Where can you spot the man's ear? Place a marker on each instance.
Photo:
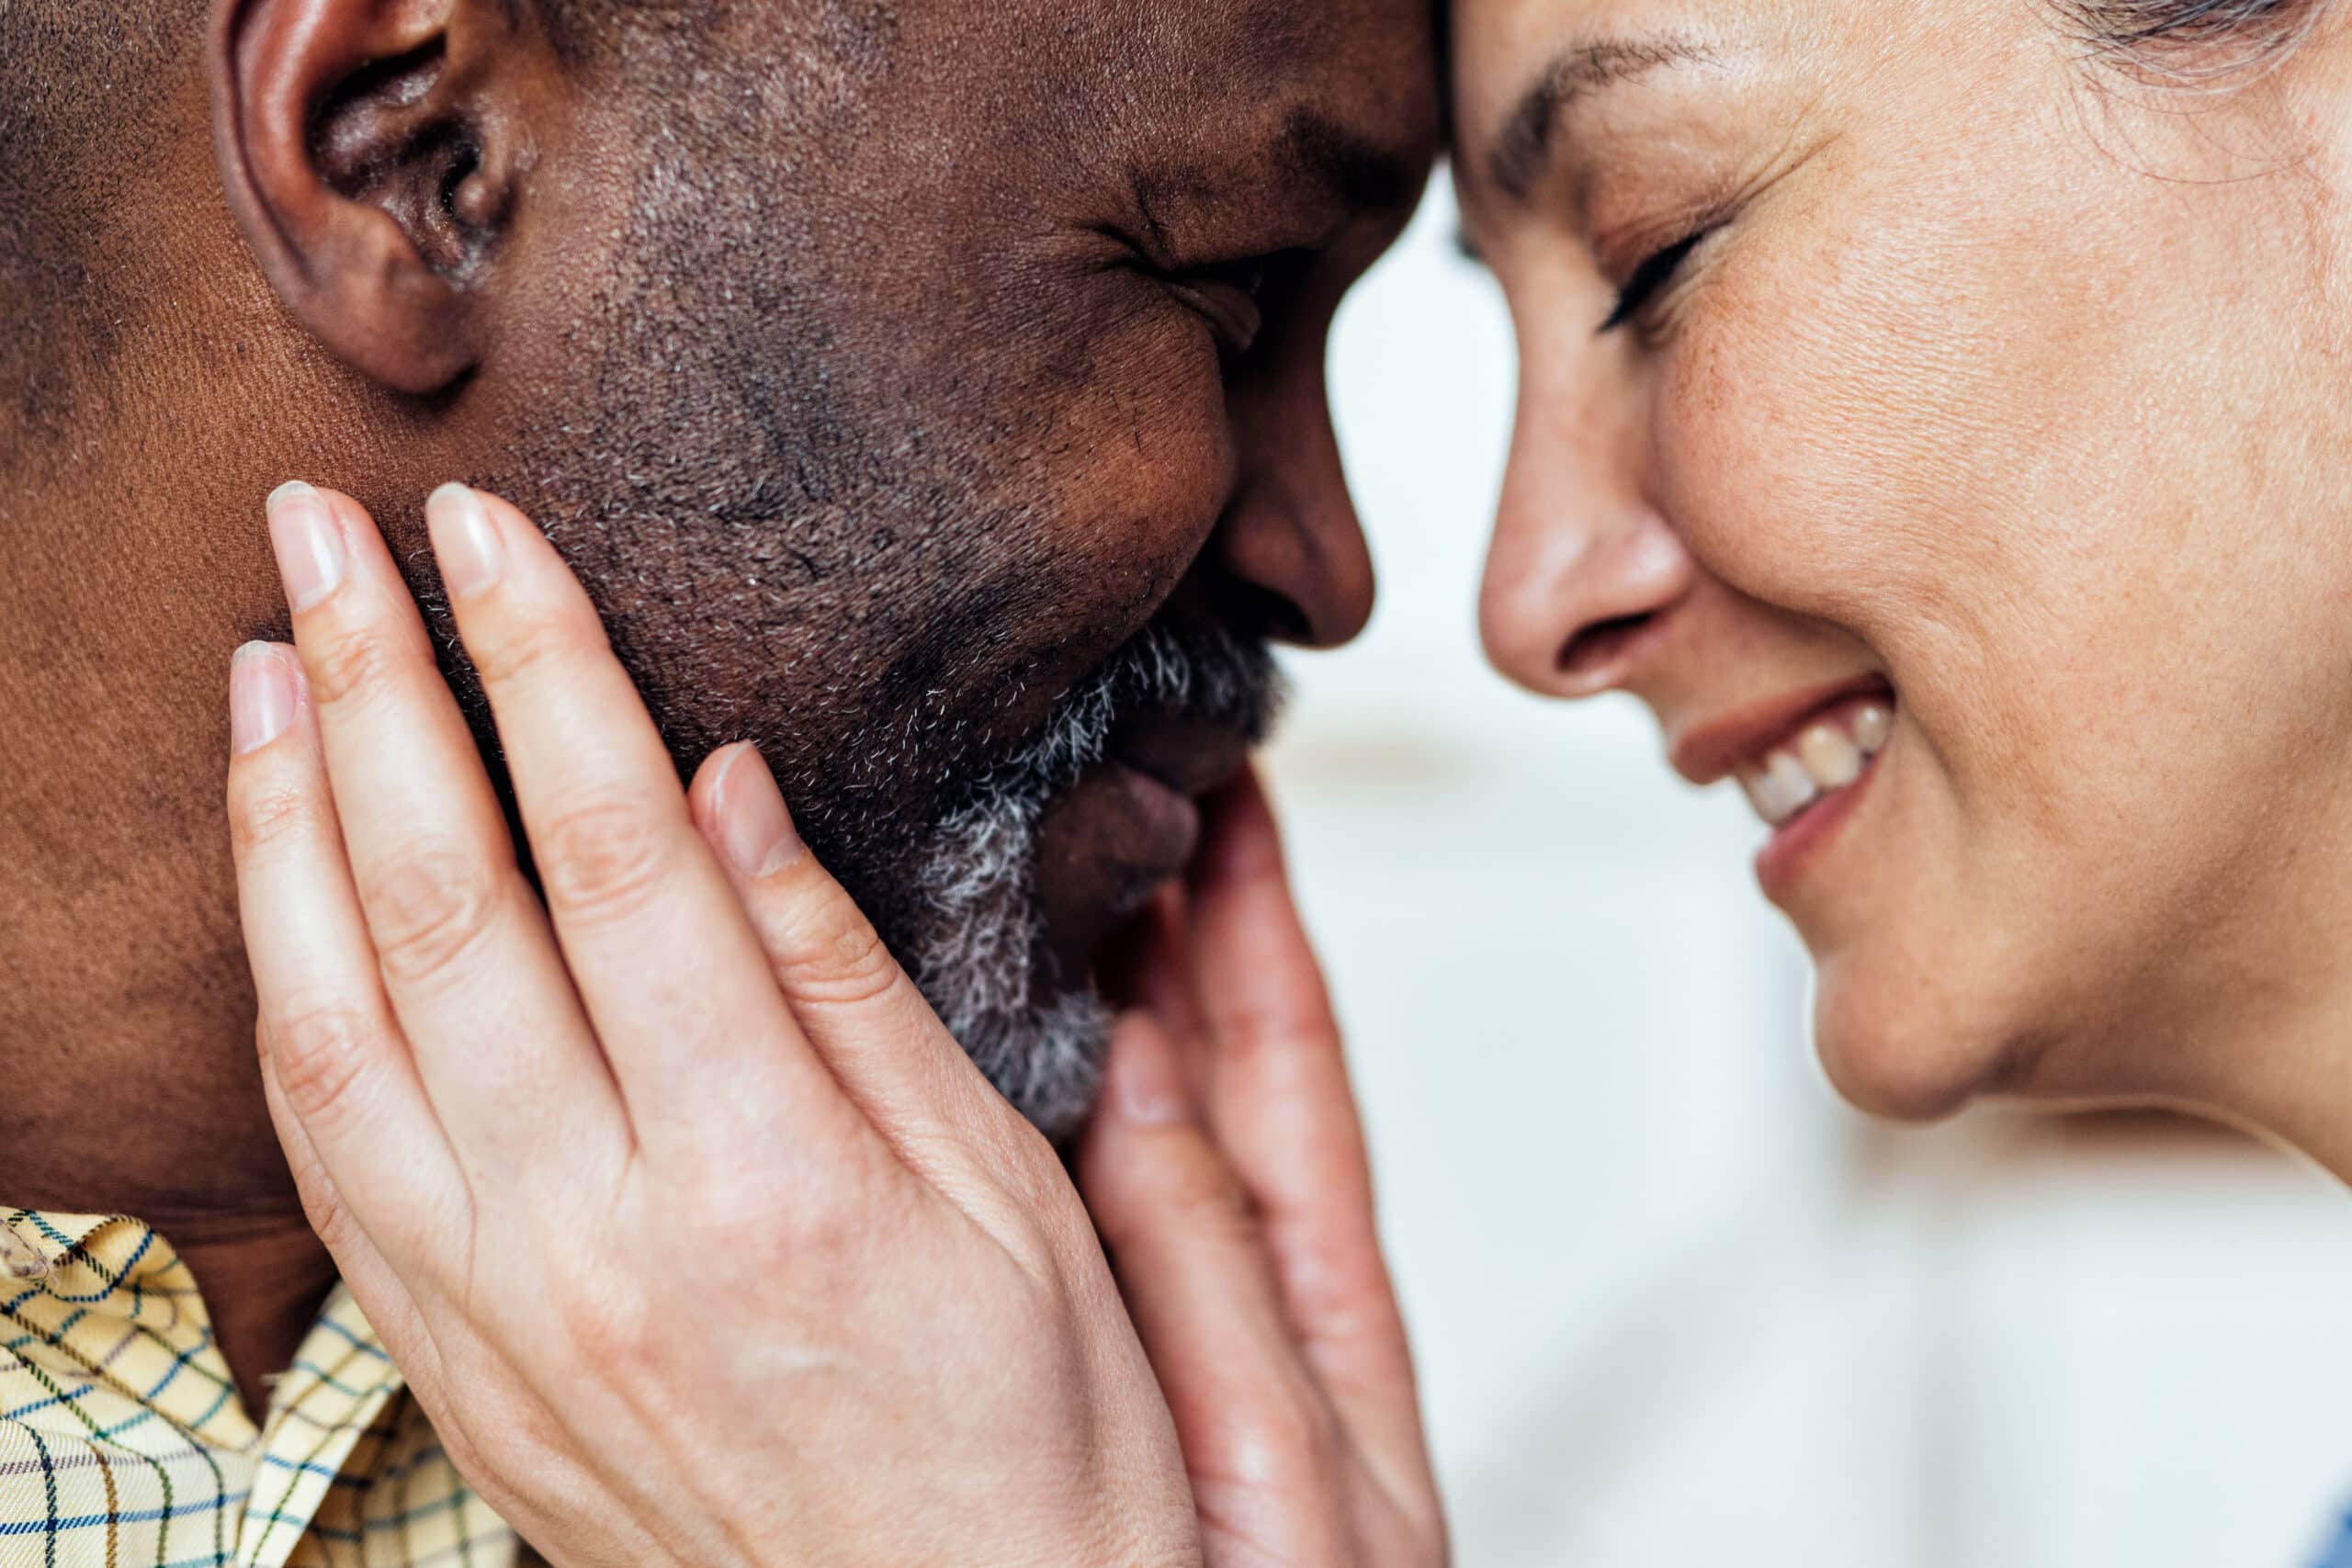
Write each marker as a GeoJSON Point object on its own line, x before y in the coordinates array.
{"type": "Point", "coordinates": [373, 152]}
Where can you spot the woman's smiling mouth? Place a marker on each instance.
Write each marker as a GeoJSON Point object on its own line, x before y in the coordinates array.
{"type": "Point", "coordinates": [1802, 758]}
{"type": "Point", "coordinates": [1828, 754]}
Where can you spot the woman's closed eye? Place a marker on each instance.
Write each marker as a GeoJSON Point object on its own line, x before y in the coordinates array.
{"type": "Point", "coordinates": [1656, 271]}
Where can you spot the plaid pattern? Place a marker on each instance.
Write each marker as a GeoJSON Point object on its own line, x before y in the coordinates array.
{"type": "Point", "coordinates": [123, 1443]}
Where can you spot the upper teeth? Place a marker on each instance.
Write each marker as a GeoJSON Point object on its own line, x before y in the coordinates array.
{"type": "Point", "coordinates": [1823, 757]}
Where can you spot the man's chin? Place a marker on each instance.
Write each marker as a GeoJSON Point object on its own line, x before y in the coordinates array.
{"type": "Point", "coordinates": [1022, 884]}
{"type": "Point", "coordinates": [1030, 1020]}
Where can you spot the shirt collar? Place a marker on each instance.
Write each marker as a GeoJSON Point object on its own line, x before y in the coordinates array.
{"type": "Point", "coordinates": [120, 1425]}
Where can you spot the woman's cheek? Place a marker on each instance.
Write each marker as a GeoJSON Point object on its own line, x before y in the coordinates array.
{"type": "Point", "coordinates": [1791, 436]}
{"type": "Point", "coordinates": [1855, 427]}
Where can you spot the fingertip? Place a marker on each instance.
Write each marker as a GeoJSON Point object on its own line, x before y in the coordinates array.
{"type": "Point", "coordinates": [509, 515]}
{"type": "Point", "coordinates": [467, 543]}
{"type": "Point", "coordinates": [740, 808]}
{"type": "Point", "coordinates": [292, 489]}
{"type": "Point", "coordinates": [348, 514]}
{"type": "Point", "coordinates": [265, 688]}
{"type": "Point", "coordinates": [1242, 841]}
{"type": "Point", "coordinates": [703, 792]}
{"type": "Point", "coordinates": [1145, 1099]}
{"type": "Point", "coordinates": [1144, 1084]}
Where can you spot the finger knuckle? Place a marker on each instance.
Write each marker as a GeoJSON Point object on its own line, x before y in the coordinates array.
{"type": "Point", "coordinates": [823, 1234]}
{"type": "Point", "coordinates": [349, 662]}
{"type": "Point", "coordinates": [601, 859]}
{"type": "Point", "coordinates": [1033, 1176]}
{"type": "Point", "coordinates": [1281, 1439]}
{"type": "Point", "coordinates": [601, 1327]}
{"type": "Point", "coordinates": [1281, 1023]}
{"type": "Point", "coordinates": [839, 959]}
{"type": "Point", "coordinates": [322, 1208]}
{"type": "Point", "coordinates": [525, 647]}
{"type": "Point", "coordinates": [322, 1057]}
{"type": "Point", "coordinates": [1199, 1185]}
{"type": "Point", "coordinates": [1182, 1184]}
{"type": "Point", "coordinates": [1047, 1232]}
{"type": "Point", "coordinates": [426, 911]}
{"type": "Point", "coordinates": [266, 813]}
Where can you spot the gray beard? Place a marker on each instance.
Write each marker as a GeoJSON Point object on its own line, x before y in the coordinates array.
{"type": "Point", "coordinates": [979, 955]}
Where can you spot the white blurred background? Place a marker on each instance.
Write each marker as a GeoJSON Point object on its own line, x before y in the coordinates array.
{"type": "Point", "coordinates": [1673, 1305]}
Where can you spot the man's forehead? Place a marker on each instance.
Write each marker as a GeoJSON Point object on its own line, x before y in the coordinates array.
{"type": "Point", "coordinates": [1172, 61]}
{"type": "Point", "coordinates": [1193, 109]}
{"type": "Point", "coordinates": [1342, 91]}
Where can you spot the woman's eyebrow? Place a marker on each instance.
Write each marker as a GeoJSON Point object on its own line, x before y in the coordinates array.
{"type": "Point", "coordinates": [1523, 147]}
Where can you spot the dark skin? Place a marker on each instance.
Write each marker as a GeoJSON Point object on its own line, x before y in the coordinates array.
{"type": "Point", "coordinates": [880, 372]}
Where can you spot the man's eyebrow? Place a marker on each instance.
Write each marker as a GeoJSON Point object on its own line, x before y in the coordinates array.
{"type": "Point", "coordinates": [1523, 147]}
{"type": "Point", "coordinates": [1366, 177]}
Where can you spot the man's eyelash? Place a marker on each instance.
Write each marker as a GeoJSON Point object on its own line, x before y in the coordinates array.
{"type": "Point", "coordinates": [1656, 270]}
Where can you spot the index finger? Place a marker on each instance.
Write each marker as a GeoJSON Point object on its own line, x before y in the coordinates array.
{"type": "Point", "coordinates": [665, 962]}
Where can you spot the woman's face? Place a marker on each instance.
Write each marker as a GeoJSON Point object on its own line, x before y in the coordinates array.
{"type": "Point", "coordinates": [1993, 437]}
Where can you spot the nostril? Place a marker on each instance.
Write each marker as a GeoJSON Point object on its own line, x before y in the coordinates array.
{"type": "Point", "coordinates": [1269, 614]}
{"type": "Point", "coordinates": [1591, 650]}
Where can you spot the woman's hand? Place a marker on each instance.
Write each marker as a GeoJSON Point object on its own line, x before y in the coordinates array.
{"type": "Point", "coordinates": [1226, 1172]}
{"type": "Point", "coordinates": [697, 1235]}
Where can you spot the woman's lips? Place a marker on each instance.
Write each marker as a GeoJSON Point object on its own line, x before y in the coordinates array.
{"type": "Point", "coordinates": [1828, 752]}
{"type": "Point", "coordinates": [1803, 758]}
{"type": "Point", "coordinates": [1809, 787]}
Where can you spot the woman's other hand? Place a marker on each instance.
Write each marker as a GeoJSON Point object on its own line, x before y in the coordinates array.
{"type": "Point", "coordinates": [1228, 1173]}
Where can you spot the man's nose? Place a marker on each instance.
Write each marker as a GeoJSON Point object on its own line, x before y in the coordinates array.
{"type": "Point", "coordinates": [1583, 569]}
{"type": "Point", "coordinates": [1291, 533]}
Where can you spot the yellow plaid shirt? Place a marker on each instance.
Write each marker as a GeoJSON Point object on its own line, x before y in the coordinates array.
{"type": "Point", "coordinates": [123, 1443]}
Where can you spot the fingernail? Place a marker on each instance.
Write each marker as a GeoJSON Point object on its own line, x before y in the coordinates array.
{"type": "Point", "coordinates": [261, 696]}
{"type": "Point", "coordinates": [754, 828]}
{"type": "Point", "coordinates": [308, 546]}
{"type": "Point", "coordinates": [465, 540]}
{"type": "Point", "coordinates": [1146, 1083]}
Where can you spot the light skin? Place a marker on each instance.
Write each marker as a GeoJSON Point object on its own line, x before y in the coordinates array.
{"type": "Point", "coordinates": [899, 1339]}
{"type": "Point", "coordinates": [2007, 385]}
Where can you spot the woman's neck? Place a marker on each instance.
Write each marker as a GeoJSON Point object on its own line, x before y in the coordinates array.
{"type": "Point", "coordinates": [2270, 1050]}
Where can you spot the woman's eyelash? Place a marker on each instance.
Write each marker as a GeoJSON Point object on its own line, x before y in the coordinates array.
{"type": "Point", "coordinates": [1656, 270]}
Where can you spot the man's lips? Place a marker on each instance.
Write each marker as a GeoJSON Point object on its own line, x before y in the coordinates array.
{"type": "Point", "coordinates": [1158, 766]}
{"type": "Point", "coordinates": [1125, 826]}
{"type": "Point", "coordinates": [1191, 756]}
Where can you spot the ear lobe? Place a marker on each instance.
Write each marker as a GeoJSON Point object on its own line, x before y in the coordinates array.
{"type": "Point", "coordinates": [371, 151]}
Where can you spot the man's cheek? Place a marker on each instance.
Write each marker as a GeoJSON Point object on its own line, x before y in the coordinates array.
{"type": "Point", "coordinates": [1155, 462]}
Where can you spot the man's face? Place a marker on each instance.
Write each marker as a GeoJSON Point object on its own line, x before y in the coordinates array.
{"type": "Point", "coordinates": [934, 394]}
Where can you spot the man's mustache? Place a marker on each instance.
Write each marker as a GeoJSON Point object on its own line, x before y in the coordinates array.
{"type": "Point", "coordinates": [1188, 669]}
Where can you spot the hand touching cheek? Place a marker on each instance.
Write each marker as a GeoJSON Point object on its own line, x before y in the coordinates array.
{"type": "Point", "coordinates": [693, 1231]}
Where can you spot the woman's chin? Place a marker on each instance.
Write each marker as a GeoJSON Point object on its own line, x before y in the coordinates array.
{"type": "Point", "coordinates": [1902, 1044]}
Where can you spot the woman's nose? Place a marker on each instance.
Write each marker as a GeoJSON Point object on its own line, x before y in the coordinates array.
{"type": "Point", "coordinates": [1581, 571]}
{"type": "Point", "coordinates": [1290, 534]}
